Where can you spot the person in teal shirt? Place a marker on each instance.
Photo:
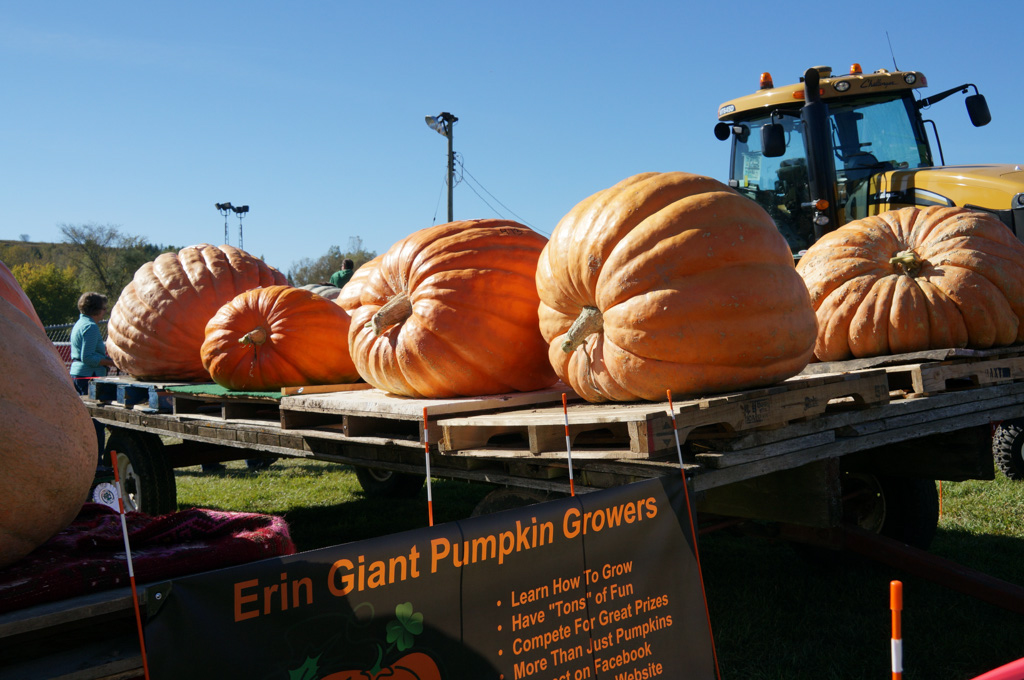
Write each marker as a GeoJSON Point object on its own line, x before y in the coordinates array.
{"type": "Point", "coordinates": [341, 277]}
{"type": "Point", "coordinates": [88, 354]}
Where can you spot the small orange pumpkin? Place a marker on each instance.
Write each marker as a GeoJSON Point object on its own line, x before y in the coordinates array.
{"type": "Point", "coordinates": [671, 281]}
{"type": "Point", "coordinates": [47, 439]}
{"type": "Point", "coordinates": [276, 337]}
{"type": "Point", "coordinates": [451, 310]}
{"type": "Point", "coordinates": [914, 279]}
{"type": "Point", "coordinates": [413, 666]}
{"type": "Point", "coordinates": [158, 325]}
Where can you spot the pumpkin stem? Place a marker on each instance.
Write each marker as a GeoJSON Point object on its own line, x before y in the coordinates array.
{"type": "Point", "coordinates": [395, 311]}
{"type": "Point", "coordinates": [257, 337]}
{"type": "Point", "coordinates": [588, 322]}
{"type": "Point", "coordinates": [380, 657]}
{"type": "Point", "coordinates": [907, 262]}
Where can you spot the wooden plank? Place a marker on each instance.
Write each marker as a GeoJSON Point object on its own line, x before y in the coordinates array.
{"type": "Point", "coordinates": [323, 389]}
{"type": "Point", "coordinates": [909, 358]}
{"type": "Point", "coordinates": [66, 611]}
{"type": "Point", "coordinates": [380, 403]}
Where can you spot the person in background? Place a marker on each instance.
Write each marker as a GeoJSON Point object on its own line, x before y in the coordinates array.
{"type": "Point", "coordinates": [341, 277]}
{"type": "Point", "coordinates": [89, 359]}
{"type": "Point", "coordinates": [88, 354]}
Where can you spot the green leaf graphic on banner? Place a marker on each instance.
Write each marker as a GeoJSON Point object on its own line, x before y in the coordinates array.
{"type": "Point", "coordinates": [307, 671]}
{"type": "Point", "coordinates": [408, 625]}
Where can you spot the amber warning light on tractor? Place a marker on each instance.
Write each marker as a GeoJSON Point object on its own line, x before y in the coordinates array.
{"type": "Point", "coordinates": [766, 81]}
{"type": "Point", "coordinates": [855, 70]}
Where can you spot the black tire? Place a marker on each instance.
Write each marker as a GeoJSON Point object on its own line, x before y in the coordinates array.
{"type": "Point", "coordinates": [902, 508]}
{"type": "Point", "coordinates": [905, 509]}
{"type": "Point", "coordinates": [147, 478]}
{"type": "Point", "coordinates": [510, 499]}
{"type": "Point", "coordinates": [388, 484]}
{"type": "Point", "coordinates": [1006, 448]}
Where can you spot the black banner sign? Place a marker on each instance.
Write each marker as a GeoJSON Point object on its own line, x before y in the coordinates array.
{"type": "Point", "coordinates": [601, 585]}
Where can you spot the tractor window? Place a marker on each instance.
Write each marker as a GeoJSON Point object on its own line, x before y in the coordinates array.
{"type": "Point", "coordinates": [869, 137]}
{"type": "Point", "coordinates": [877, 132]}
{"type": "Point", "coordinates": [779, 185]}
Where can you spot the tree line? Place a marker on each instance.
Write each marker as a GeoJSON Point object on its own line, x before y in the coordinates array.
{"type": "Point", "coordinates": [102, 258]}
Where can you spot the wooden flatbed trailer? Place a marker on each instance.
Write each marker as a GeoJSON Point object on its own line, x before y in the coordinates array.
{"type": "Point", "coordinates": [849, 449]}
{"type": "Point", "coordinates": [859, 441]}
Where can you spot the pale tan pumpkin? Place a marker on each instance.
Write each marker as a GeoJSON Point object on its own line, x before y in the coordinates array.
{"type": "Point", "coordinates": [47, 441]}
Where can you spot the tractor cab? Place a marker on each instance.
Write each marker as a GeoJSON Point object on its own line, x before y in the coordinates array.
{"type": "Point", "coordinates": [832, 149]}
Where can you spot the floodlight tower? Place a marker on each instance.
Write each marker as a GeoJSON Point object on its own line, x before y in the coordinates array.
{"type": "Point", "coordinates": [240, 211]}
{"type": "Point", "coordinates": [442, 124]}
{"type": "Point", "coordinates": [225, 209]}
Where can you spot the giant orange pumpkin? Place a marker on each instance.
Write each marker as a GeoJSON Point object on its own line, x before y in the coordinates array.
{"type": "Point", "coordinates": [915, 279]}
{"type": "Point", "coordinates": [47, 440]}
{"type": "Point", "coordinates": [276, 337]}
{"type": "Point", "coordinates": [671, 281]}
{"type": "Point", "coordinates": [11, 291]}
{"type": "Point", "coordinates": [451, 310]}
{"type": "Point", "coordinates": [159, 322]}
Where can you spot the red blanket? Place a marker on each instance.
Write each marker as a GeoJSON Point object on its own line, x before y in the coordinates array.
{"type": "Point", "coordinates": [88, 556]}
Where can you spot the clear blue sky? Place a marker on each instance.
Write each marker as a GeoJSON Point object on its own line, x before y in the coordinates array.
{"type": "Point", "coordinates": [143, 115]}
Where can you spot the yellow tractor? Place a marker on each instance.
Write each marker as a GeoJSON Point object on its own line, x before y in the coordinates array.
{"type": "Point", "coordinates": [835, 148]}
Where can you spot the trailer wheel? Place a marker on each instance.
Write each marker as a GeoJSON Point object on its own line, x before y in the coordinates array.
{"type": "Point", "coordinates": [388, 484]}
{"type": "Point", "coordinates": [147, 478]}
{"type": "Point", "coordinates": [902, 508]}
{"type": "Point", "coordinates": [1006, 448]}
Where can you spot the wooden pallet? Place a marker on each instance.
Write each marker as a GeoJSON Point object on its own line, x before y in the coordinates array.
{"type": "Point", "coordinates": [644, 430]}
{"type": "Point", "coordinates": [131, 394]}
{"type": "Point", "coordinates": [595, 430]}
{"type": "Point", "coordinates": [227, 407]}
{"type": "Point", "coordinates": [373, 412]}
{"type": "Point", "coordinates": [937, 377]}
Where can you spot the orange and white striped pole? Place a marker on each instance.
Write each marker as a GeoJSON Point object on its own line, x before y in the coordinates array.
{"type": "Point", "coordinates": [131, 569]}
{"type": "Point", "coordinates": [896, 605]}
{"type": "Point", "coordinates": [426, 455]}
{"type": "Point", "coordinates": [568, 444]}
{"type": "Point", "coordinates": [693, 529]}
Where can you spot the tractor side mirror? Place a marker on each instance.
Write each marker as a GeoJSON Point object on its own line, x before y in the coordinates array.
{"type": "Point", "coordinates": [722, 131]}
{"type": "Point", "coordinates": [773, 140]}
{"type": "Point", "coordinates": [977, 109]}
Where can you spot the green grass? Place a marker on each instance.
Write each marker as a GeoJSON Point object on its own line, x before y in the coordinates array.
{"type": "Point", "coordinates": [774, 616]}
{"type": "Point", "coordinates": [322, 502]}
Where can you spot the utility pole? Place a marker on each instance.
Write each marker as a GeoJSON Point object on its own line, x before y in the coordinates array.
{"type": "Point", "coordinates": [442, 124]}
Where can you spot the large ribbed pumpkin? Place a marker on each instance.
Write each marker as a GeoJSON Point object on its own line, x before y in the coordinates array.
{"type": "Point", "coordinates": [914, 279]}
{"type": "Point", "coordinates": [159, 322]}
{"type": "Point", "coordinates": [451, 310]}
{"type": "Point", "coordinates": [47, 440]}
{"type": "Point", "coordinates": [671, 281]}
{"type": "Point", "coordinates": [276, 337]}
{"type": "Point", "coordinates": [11, 291]}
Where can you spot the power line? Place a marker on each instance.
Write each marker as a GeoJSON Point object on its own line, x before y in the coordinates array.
{"type": "Point", "coordinates": [462, 169]}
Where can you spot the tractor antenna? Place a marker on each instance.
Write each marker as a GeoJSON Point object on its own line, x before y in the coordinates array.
{"type": "Point", "coordinates": [894, 66]}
